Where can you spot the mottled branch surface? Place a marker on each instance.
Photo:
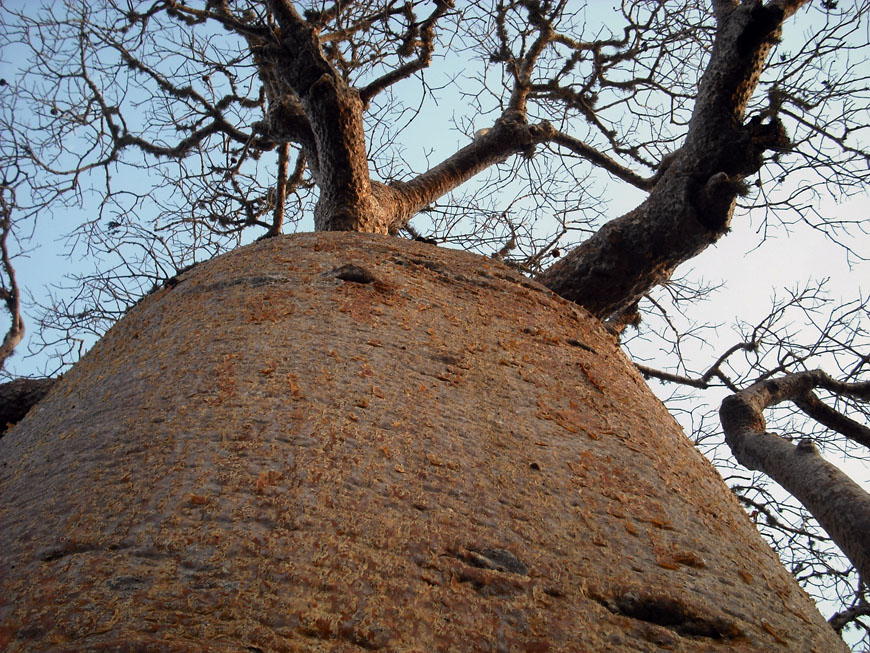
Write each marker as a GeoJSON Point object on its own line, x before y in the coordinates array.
{"type": "Point", "coordinates": [839, 504]}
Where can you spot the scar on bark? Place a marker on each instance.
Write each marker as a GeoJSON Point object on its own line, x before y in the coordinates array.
{"type": "Point", "coordinates": [354, 274]}
{"type": "Point", "coordinates": [671, 614]}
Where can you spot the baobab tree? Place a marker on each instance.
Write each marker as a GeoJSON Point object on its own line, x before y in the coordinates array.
{"type": "Point", "coordinates": [325, 437]}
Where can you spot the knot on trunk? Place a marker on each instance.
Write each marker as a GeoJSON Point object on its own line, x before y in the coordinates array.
{"type": "Point", "coordinates": [769, 135]}
{"type": "Point", "coordinates": [716, 199]}
{"type": "Point", "coordinates": [739, 413]}
{"type": "Point", "coordinates": [512, 126]}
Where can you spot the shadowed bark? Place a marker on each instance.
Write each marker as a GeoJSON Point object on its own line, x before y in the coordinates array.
{"type": "Point", "coordinates": [18, 397]}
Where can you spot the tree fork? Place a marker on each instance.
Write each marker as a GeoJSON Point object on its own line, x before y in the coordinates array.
{"type": "Point", "coordinates": [839, 504]}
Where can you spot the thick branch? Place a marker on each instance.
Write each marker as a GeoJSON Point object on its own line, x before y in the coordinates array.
{"type": "Point", "coordinates": [11, 296]}
{"type": "Point", "coordinates": [510, 135]}
{"type": "Point", "coordinates": [602, 160]}
{"type": "Point", "coordinates": [691, 205]}
{"type": "Point", "coordinates": [810, 404]}
{"type": "Point", "coordinates": [844, 618]}
{"type": "Point", "coordinates": [523, 68]}
{"type": "Point", "coordinates": [838, 503]}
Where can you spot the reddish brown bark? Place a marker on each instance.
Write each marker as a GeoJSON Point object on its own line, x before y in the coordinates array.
{"type": "Point", "coordinates": [341, 441]}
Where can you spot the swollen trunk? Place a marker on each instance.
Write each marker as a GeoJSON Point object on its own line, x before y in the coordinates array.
{"type": "Point", "coordinates": [350, 441]}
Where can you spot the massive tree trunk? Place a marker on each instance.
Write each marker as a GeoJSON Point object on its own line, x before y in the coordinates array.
{"type": "Point", "coordinates": [353, 441]}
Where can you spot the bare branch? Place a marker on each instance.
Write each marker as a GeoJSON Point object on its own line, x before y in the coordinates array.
{"type": "Point", "coordinates": [9, 291]}
{"type": "Point", "coordinates": [425, 45]}
{"type": "Point", "coordinates": [824, 414]}
{"type": "Point", "coordinates": [844, 617]}
{"type": "Point", "coordinates": [599, 158]}
{"type": "Point", "coordinates": [837, 502]}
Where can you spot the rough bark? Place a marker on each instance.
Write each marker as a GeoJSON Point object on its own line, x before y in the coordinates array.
{"type": "Point", "coordinates": [341, 441]}
{"type": "Point", "coordinates": [691, 205]}
{"type": "Point", "coordinates": [839, 504]}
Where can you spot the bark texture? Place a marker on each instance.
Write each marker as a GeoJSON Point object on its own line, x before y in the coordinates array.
{"type": "Point", "coordinates": [344, 441]}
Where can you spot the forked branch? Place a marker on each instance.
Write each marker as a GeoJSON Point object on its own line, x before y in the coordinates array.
{"type": "Point", "coordinates": [839, 504]}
